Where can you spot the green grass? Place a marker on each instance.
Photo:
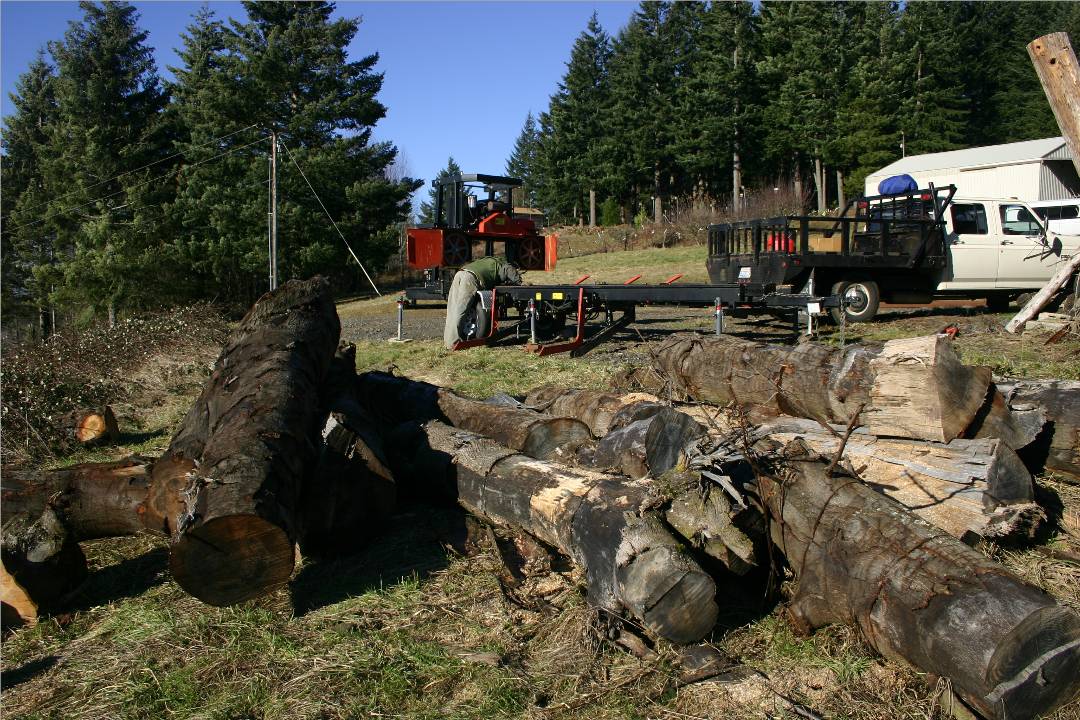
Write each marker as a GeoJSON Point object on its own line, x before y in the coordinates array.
{"type": "Point", "coordinates": [482, 372]}
{"type": "Point", "coordinates": [655, 265]}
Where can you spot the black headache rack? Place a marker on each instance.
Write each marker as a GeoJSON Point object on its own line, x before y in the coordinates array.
{"type": "Point", "coordinates": [543, 310]}
{"type": "Point", "coordinates": [904, 232]}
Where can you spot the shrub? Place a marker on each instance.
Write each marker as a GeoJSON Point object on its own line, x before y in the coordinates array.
{"type": "Point", "coordinates": [610, 212]}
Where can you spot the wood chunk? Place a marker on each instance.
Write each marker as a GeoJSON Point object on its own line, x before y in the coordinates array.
{"type": "Point", "coordinates": [89, 426]}
{"type": "Point", "coordinates": [594, 408]}
{"type": "Point", "coordinates": [650, 446]}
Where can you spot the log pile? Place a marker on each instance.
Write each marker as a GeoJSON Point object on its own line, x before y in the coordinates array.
{"type": "Point", "coordinates": [867, 472]}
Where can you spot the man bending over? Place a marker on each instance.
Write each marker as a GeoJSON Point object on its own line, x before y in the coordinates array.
{"type": "Point", "coordinates": [482, 274]}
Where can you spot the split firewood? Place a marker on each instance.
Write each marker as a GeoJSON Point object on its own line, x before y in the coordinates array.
{"type": "Point", "coordinates": [915, 388]}
{"type": "Point", "coordinates": [227, 490]}
{"type": "Point", "coordinates": [971, 489]}
{"type": "Point", "coordinates": [918, 594]}
{"type": "Point", "coordinates": [88, 426]}
{"type": "Point", "coordinates": [539, 435]}
{"type": "Point", "coordinates": [595, 408]}
{"type": "Point", "coordinates": [47, 513]}
{"type": "Point", "coordinates": [631, 562]}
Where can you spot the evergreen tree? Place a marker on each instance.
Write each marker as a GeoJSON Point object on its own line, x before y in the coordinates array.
{"type": "Point", "coordinates": [26, 243]}
{"type": "Point", "coordinates": [106, 147]}
{"type": "Point", "coordinates": [286, 70]}
{"type": "Point", "coordinates": [572, 131]}
{"type": "Point", "coordinates": [427, 208]}
{"type": "Point", "coordinates": [523, 161]}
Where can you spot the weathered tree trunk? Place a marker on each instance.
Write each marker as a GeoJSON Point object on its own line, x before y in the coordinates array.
{"type": "Point", "coordinates": [971, 489]}
{"type": "Point", "coordinates": [228, 488]}
{"type": "Point", "coordinates": [46, 514]}
{"type": "Point", "coordinates": [631, 562]}
{"type": "Point", "coordinates": [594, 408]}
{"type": "Point", "coordinates": [652, 445]}
{"type": "Point", "coordinates": [918, 594]}
{"type": "Point", "coordinates": [1052, 406]}
{"type": "Point", "coordinates": [89, 426]}
{"type": "Point", "coordinates": [539, 435]}
{"type": "Point", "coordinates": [915, 388]}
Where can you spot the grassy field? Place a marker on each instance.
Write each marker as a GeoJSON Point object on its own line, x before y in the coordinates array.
{"type": "Point", "coordinates": [422, 625]}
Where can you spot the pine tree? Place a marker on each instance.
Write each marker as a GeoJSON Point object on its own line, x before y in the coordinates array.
{"type": "Point", "coordinates": [108, 144]}
{"type": "Point", "coordinates": [286, 70]}
{"type": "Point", "coordinates": [523, 161]}
{"type": "Point", "coordinates": [27, 242]}
{"type": "Point", "coordinates": [572, 131]}
{"type": "Point", "coordinates": [427, 208]}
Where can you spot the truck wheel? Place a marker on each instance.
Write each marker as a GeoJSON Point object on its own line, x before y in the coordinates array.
{"type": "Point", "coordinates": [862, 299]}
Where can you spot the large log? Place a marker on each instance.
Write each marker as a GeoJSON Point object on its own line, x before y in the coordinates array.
{"type": "Point", "coordinates": [659, 441]}
{"type": "Point", "coordinates": [47, 513]}
{"type": "Point", "coordinates": [227, 489]}
{"type": "Point", "coordinates": [595, 408]}
{"type": "Point", "coordinates": [1053, 406]}
{"type": "Point", "coordinates": [918, 594]}
{"type": "Point", "coordinates": [631, 561]}
{"type": "Point", "coordinates": [969, 488]}
{"type": "Point", "coordinates": [916, 388]}
{"type": "Point", "coordinates": [539, 435]}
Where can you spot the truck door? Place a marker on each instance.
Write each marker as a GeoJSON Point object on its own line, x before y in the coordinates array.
{"type": "Point", "coordinates": [973, 253]}
{"type": "Point", "coordinates": [1024, 260]}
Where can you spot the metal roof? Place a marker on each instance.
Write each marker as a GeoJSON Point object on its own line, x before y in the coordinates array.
{"type": "Point", "coordinates": [987, 156]}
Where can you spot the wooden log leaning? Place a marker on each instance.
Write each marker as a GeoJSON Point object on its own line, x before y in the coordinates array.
{"type": "Point", "coordinates": [47, 513]}
{"type": "Point", "coordinates": [972, 489]}
{"type": "Point", "coordinates": [88, 426]}
{"type": "Point", "coordinates": [916, 388]}
{"type": "Point", "coordinates": [918, 594]}
{"type": "Point", "coordinates": [539, 435]}
{"type": "Point", "coordinates": [227, 489]}
{"type": "Point", "coordinates": [631, 561]}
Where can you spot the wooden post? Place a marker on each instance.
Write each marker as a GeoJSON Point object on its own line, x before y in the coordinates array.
{"type": "Point", "coordinates": [592, 208]}
{"type": "Point", "coordinates": [1055, 63]}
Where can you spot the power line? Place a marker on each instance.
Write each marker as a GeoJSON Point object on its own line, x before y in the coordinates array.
{"type": "Point", "coordinates": [349, 247]}
{"type": "Point", "coordinates": [143, 184]}
{"type": "Point", "coordinates": [117, 177]}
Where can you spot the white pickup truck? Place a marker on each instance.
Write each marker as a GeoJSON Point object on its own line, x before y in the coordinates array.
{"type": "Point", "coordinates": [998, 249]}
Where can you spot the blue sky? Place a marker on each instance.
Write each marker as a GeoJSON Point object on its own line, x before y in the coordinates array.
{"type": "Point", "coordinates": [459, 76]}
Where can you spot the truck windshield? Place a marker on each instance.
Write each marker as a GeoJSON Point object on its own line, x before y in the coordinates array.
{"type": "Point", "coordinates": [1018, 220]}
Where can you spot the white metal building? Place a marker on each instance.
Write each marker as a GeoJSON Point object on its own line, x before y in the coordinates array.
{"type": "Point", "coordinates": [1030, 170]}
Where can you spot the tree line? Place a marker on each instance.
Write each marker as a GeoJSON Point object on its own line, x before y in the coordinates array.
{"type": "Point", "coordinates": [123, 190]}
{"type": "Point", "coordinates": [695, 100]}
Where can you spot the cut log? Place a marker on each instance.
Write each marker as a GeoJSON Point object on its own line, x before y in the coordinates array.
{"type": "Point", "coordinates": [915, 388]}
{"type": "Point", "coordinates": [46, 514]}
{"type": "Point", "coordinates": [88, 426]}
{"type": "Point", "coordinates": [630, 560]}
{"type": "Point", "coordinates": [1054, 406]}
{"type": "Point", "coordinates": [658, 442]}
{"type": "Point", "coordinates": [971, 489]}
{"type": "Point", "coordinates": [539, 435]}
{"type": "Point", "coordinates": [594, 408]}
{"type": "Point", "coordinates": [918, 594]}
{"type": "Point", "coordinates": [228, 487]}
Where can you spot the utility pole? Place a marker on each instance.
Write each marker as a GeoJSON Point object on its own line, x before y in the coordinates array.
{"type": "Point", "coordinates": [273, 211]}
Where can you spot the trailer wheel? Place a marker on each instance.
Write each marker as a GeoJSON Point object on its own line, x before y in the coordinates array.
{"type": "Point", "coordinates": [862, 300]}
{"type": "Point", "coordinates": [476, 321]}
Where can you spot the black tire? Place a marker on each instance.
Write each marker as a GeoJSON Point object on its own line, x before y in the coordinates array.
{"type": "Point", "coordinates": [864, 297]}
{"type": "Point", "coordinates": [476, 322]}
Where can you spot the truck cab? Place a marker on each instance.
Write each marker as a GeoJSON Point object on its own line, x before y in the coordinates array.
{"type": "Point", "coordinates": [1000, 246]}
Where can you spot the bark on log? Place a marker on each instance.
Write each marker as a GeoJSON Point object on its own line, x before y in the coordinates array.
{"type": "Point", "coordinates": [915, 388]}
{"type": "Point", "coordinates": [46, 514]}
{"type": "Point", "coordinates": [227, 489]}
{"type": "Point", "coordinates": [630, 560]}
{"type": "Point", "coordinates": [539, 435]}
{"type": "Point", "coordinates": [971, 489]}
{"type": "Point", "coordinates": [88, 426]}
{"type": "Point", "coordinates": [652, 445]}
{"type": "Point", "coordinates": [918, 594]}
{"type": "Point", "coordinates": [594, 408]}
{"type": "Point", "coordinates": [1054, 407]}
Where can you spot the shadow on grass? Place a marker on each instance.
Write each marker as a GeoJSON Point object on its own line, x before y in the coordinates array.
{"type": "Point", "coordinates": [26, 672]}
{"type": "Point", "coordinates": [125, 579]}
{"type": "Point", "coordinates": [416, 544]}
{"type": "Point", "coordinates": [137, 438]}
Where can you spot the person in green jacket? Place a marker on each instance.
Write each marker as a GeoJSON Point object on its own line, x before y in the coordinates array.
{"type": "Point", "coordinates": [482, 274]}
